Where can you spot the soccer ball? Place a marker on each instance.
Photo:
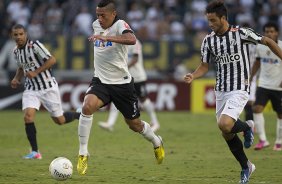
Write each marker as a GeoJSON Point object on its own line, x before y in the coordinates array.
{"type": "Point", "coordinates": [60, 168]}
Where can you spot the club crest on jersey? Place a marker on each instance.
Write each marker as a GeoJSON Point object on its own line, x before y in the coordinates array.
{"type": "Point", "coordinates": [101, 43]}
{"type": "Point", "coordinates": [228, 58]}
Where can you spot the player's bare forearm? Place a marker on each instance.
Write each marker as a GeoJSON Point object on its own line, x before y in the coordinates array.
{"type": "Point", "coordinates": [255, 68]}
{"type": "Point", "coordinates": [19, 74]}
{"type": "Point", "coordinates": [273, 46]}
{"type": "Point", "coordinates": [48, 64]}
{"type": "Point", "coordinates": [126, 38]}
{"type": "Point", "coordinates": [202, 69]}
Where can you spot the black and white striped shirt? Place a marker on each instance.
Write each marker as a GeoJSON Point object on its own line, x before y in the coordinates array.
{"type": "Point", "coordinates": [230, 53]}
{"type": "Point", "coordinates": [29, 58]}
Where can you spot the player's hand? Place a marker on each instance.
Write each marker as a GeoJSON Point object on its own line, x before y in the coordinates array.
{"type": "Point", "coordinates": [97, 37]}
{"type": "Point", "coordinates": [188, 78]}
{"type": "Point", "coordinates": [31, 74]}
{"type": "Point", "coordinates": [15, 83]}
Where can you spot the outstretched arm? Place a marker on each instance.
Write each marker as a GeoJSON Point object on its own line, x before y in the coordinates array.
{"type": "Point", "coordinates": [17, 79]}
{"type": "Point", "coordinates": [202, 69]}
{"type": "Point", "coordinates": [272, 45]}
{"type": "Point", "coordinates": [255, 68]}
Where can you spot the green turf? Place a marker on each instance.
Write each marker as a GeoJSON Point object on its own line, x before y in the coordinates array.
{"type": "Point", "coordinates": [195, 152]}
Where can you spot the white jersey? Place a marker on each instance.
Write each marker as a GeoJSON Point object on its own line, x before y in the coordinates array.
{"type": "Point", "coordinates": [137, 71]}
{"type": "Point", "coordinates": [110, 58]}
{"type": "Point", "coordinates": [270, 68]}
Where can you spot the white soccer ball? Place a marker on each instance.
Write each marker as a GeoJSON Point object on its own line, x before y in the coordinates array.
{"type": "Point", "coordinates": [61, 168]}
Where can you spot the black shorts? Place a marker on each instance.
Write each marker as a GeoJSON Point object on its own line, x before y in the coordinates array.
{"type": "Point", "coordinates": [140, 88]}
{"type": "Point", "coordinates": [263, 95]}
{"type": "Point", "coordinates": [122, 95]}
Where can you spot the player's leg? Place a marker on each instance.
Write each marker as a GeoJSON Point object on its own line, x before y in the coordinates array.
{"type": "Point", "coordinates": [125, 99]}
{"type": "Point", "coordinates": [96, 97]}
{"type": "Point", "coordinates": [276, 97]}
{"type": "Point", "coordinates": [146, 104]}
{"type": "Point", "coordinates": [30, 104]}
{"type": "Point", "coordinates": [51, 100]}
{"type": "Point", "coordinates": [113, 115]}
{"type": "Point", "coordinates": [258, 107]}
{"type": "Point", "coordinates": [248, 107]}
{"type": "Point", "coordinates": [228, 109]}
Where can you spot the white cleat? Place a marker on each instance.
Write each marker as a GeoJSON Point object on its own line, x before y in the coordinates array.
{"type": "Point", "coordinates": [106, 126]}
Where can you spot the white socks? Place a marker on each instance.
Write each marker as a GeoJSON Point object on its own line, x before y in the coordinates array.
{"type": "Point", "coordinates": [259, 125]}
{"type": "Point", "coordinates": [279, 132]}
{"type": "Point", "coordinates": [113, 114]}
{"type": "Point", "coordinates": [84, 128]}
{"type": "Point", "coordinates": [149, 108]}
{"type": "Point", "coordinates": [148, 133]}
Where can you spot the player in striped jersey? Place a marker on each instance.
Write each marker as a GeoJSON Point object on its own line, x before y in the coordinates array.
{"type": "Point", "coordinates": [227, 47]}
{"type": "Point", "coordinates": [269, 87]}
{"type": "Point", "coordinates": [34, 64]}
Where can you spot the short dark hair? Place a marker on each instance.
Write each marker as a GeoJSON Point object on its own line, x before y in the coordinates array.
{"type": "Point", "coordinates": [104, 3]}
{"type": "Point", "coordinates": [19, 26]}
{"type": "Point", "coordinates": [217, 7]}
{"type": "Point", "coordinates": [271, 24]}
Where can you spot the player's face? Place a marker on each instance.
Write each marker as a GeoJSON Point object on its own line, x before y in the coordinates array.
{"type": "Point", "coordinates": [216, 23]}
{"type": "Point", "coordinates": [20, 36]}
{"type": "Point", "coordinates": [105, 16]}
{"type": "Point", "coordinates": [271, 33]}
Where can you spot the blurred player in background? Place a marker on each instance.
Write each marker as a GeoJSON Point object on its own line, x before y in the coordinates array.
{"type": "Point", "coordinates": [227, 46]}
{"type": "Point", "coordinates": [112, 81]}
{"type": "Point", "coordinates": [269, 87]}
{"type": "Point", "coordinates": [34, 64]}
{"type": "Point", "coordinates": [137, 71]}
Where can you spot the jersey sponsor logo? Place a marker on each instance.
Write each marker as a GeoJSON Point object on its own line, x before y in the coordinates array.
{"type": "Point", "coordinates": [269, 61]}
{"type": "Point", "coordinates": [225, 59]}
{"type": "Point", "coordinates": [28, 65]}
{"type": "Point", "coordinates": [100, 43]}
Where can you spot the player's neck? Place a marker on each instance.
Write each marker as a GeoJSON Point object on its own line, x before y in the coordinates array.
{"type": "Point", "coordinates": [223, 30]}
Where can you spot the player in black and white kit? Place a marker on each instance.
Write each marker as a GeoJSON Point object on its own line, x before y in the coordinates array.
{"type": "Point", "coordinates": [269, 87]}
{"type": "Point", "coordinates": [112, 81]}
{"type": "Point", "coordinates": [35, 63]}
{"type": "Point", "coordinates": [227, 47]}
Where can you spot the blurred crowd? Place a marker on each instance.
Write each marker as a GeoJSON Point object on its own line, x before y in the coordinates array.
{"type": "Point", "coordinates": [150, 19]}
{"type": "Point", "coordinates": [174, 20]}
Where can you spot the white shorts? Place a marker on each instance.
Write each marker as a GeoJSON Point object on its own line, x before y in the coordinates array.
{"type": "Point", "coordinates": [230, 103]}
{"type": "Point", "coordinates": [49, 98]}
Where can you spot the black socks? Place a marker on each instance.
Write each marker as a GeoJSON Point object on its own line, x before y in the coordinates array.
{"type": "Point", "coordinates": [239, 126]}
{"type": "Point", "coordinates": [31, 135]}
{"type": "Point", "coordinates": [70, 116]}
{"type": "Point", "coordinates": [236, 147]}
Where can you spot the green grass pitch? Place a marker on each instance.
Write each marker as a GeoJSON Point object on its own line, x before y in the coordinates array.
{"type": "Point", "coordinates": [195, 152]}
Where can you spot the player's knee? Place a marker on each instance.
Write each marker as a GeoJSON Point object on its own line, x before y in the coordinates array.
{"type": "Point", "coordinates": [28, 118]}
{"type": "Point", "coordinates": [58, 121]}
{"type": "Point", "coordinates": [257, 109]}
{"type": "Point", "coordinates": [135, 125]}
{"type": "Point", "coordinates": [224, 127]}
{"type": "Point", "coordinates": [87, 109]}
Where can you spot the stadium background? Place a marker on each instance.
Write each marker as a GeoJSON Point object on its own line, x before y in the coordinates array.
{"type": "Point", "coordinates": [171, 32]}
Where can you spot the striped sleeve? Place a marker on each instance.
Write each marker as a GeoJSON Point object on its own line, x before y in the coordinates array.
{"type": "Point", "coordinates": [40, 50]}
{"type": "Point", "coordinates": [205, 52]}
{"type": "Point", "coordinates": [250, 35]}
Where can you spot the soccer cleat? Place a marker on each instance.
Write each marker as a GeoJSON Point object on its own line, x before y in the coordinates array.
{"type": "Point", "coordinates": [33, 155]}
{"type": "Point", "coordinates": [249, 134]}
{"type": "Point", "coordinates": [261, 145]}
{"type": "Point", "coordinates": [159, 152]}
{"type": "Point", "coordinates": [246, 173]}
{"type": "Point", "coordinates": [277, 147]}
{"type": "Point", "coordinates": [82, 164]}
{"type": "Point", "coordinates": [106, 126]}
{"type": "Point", "coordinates": [155, 126]}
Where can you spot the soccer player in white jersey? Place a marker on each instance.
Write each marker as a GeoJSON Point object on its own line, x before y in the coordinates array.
{"type": "Point", "coordinates": [34, 63]}
{"type": "Point", "coordinates": [227, 47]}
{"type": "Point", "coordinates": [269, 87]}
{"type": "Point", "coordinates": [112, 81]}
{"type": "Point", "coordinates": [137, 71]}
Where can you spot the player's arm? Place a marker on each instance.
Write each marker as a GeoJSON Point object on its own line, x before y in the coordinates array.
{"type": "Point", "coordinates": [127, 38]}
{"type": "Point", "coordinates": [202, 69]}
{"type": "Point", "coordinates": [272, 45]}
{"type": "Point", "coordinates": [47, 64]}
{"type": "Point", "coordinates": [255, 68]}
{"type": "Point", "coordinates": [17, 78]}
